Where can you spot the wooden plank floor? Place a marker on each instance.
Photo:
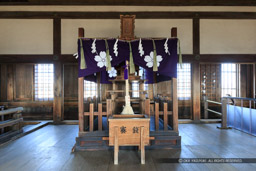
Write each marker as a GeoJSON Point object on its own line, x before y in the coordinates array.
{"type": "Point", "coordinates": [49, 148]}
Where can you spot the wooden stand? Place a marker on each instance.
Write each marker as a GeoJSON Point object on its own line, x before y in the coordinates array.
{"type": "Point", "coordinates": [129, 130]}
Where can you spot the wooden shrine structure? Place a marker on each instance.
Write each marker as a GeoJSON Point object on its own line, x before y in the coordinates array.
{"type": "Point", "coordinates": [159, 103]}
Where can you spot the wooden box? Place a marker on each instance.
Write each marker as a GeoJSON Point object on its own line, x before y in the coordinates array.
{"type": "Point", "coordinates": [129, 129]}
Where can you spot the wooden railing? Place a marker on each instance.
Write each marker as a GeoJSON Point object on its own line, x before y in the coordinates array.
{"type": "Point", "coordinates": [206, 107]}
{"type": "Point", "coordinates": [11, 118]}
{"type": "Point", "coordinates": [160, 115]}
{"type": "Point", "coordinates": [225, 101]}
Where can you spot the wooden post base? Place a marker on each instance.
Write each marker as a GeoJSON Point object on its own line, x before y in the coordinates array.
{"type": "Point", "coordinates": [116, 147]}
{"type": "Point", "coordinates": [141, 146]}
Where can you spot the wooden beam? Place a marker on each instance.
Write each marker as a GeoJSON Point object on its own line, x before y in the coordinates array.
{"type": "Point", "coordinates": [134, 2]}
{"type": "Point", "coordinates": [116, 15]}
{"type": "Point", "coordinates": [196, 36]}
{"type": "Point", "coordinates": [69, 58]}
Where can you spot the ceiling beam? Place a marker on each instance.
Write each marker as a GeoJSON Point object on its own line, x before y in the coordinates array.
{"type": "Point", "coordinates": [133, 2]}
{"type": "Point", "coordinates": [116, 15]}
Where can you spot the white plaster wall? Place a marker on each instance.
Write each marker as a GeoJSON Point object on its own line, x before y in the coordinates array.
{"type": "Point", "coordinates": [26, 36]}
{"type": "Point", "coordinates": [93, 28]}
{"type": "Point", "coordinates": [111, 28]}
{"type": "Point", "coordinates": [162, 28]}
{"type": "Point", "coordinates": [228, 36]}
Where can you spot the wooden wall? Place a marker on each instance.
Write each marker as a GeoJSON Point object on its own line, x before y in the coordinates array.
{"type": "Point", "coordinates": [17, 89]}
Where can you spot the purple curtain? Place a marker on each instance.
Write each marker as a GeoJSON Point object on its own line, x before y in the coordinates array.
{"type": "Point", "coordinates": [167, 61]}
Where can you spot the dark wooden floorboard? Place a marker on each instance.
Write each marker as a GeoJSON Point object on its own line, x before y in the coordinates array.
{"type": "Point", "coordinates": [49, 148]}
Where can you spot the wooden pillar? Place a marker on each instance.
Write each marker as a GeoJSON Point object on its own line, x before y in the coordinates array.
{"type": "Point", "coordinates": [116, 146]}
{"type": "Point", "coordinates": [100, 117]}
{"type": "Point", "coordinates": [205, 107]}
{"type": "Point", "coordinates": [142, 145]}
{"type": "Point", "coordinates": [91, 117]}
{"type": "Point", "coordinates": [196, 71]}
{"type": "Point", "coordinates": [81, 103]}
{"type": "Point", "coordinates": [58, 103]}
{"type": "Point", "coordinates": [156, 116]}
{"type": "Point", "coordinates": [175, 104]}
{"type": "Point", "coordinates": [196, 91]}
{"type": "Point", "coordinates": [81, 93]}
{"type": "Point", "coordinates": [254, 82]}
{"type": "Point", "coordinates": [224, 102]}
{"type": "Point", "coordinates": [174, 93]}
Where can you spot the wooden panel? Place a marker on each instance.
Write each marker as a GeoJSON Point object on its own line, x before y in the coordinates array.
{"type": "Point", "coordinates": [129, 131]}
{"type": "Point", "coordinates": [10, 75]}
{"type": "Point", "coordinates": [23, 82]}
{"type": "Point", "coordinates": [70, 82]}
{"type": "Point", "coordinates": [127, 26]}
{"type": "Point", "coordinates": [3, 90]}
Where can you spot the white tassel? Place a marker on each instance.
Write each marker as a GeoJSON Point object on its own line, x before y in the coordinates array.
{"type": "Point", "coordinates": [116, 48]}
{"type": "Point", "coordinates": [75, 55]}
{"type": "Point", "coordinates": [166, 47]}
{"type": "Point", "coordinates": [140, 48]}
{"type": "Point", "coordinates": [93, 46]}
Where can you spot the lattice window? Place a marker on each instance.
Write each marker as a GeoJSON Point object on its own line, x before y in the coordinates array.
{"type": "Point", "coordinates": [184, 81]}
{"type": "Point", "coordinates": [44, 76]}
{"type": "Point", "coordinates": [135, 87]}
{"type": "Point", "coordinates": [210, 81]}
{"type": "Point", "coordinates": [229, 80]}
{"type": "Point", "coordinates": [90, 89]}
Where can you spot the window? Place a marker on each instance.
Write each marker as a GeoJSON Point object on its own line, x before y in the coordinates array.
{"type": "Point", "coordinates": [184, 81]}
{"type": "Point", "coordinates": [229, 80]}
{"type": "Point", "coordinates": [44, 82]}
{"type": "Point", "coordinates": [135, 87]}
{"type": "Point", "coordinates": [142, 74]}
{"type": "Point", "coordinates": [90, 89]}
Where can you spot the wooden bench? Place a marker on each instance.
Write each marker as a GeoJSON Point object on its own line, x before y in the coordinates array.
{"type": "Point", "coordinates": [129, 130]}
